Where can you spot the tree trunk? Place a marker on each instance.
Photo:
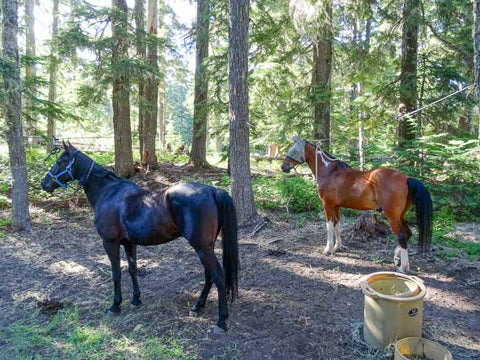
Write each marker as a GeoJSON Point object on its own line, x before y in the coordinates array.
{"type": "Point", "coordinates": [121, 92]}
{"type": "Point", "coordinates": [198, 155]}
{"type": "Point", "coordinates": [13, 116]}
{"type": "Point", "coordinates": [52, 74]}
{"type": "Point", "coordinates": [321, 78]}
{"type": "Point", "coordinates": [142, 54]}
{"type": "Point", "coordinates": [30, 71]}
{"type": "Point", "coordinates": [476, 47]}
{"type": "Point", "coordinates": [151, 87]}
{"type": "Point", "coordinates": [408, 75]}
{"type": "Point", "coordinates": [238, 112]}
{"type": "Point", "coordinates": [162, 89]}
{"type": "Point", "coordinates": [476, 44]}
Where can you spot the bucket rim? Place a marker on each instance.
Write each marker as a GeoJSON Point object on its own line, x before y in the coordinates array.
{"type": "Point", "coordinates": [370, 292]}
{"type": "Point", "coordinates": [422, 339]}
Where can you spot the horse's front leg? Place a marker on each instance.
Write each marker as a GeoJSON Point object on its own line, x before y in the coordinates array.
{"type": "Point", "coordinates": [131, 252]}
{"type": "Point", "coordinates": [113, 251]}
{"type": "Point", "coordinates": [330, 217]}
{"type": "Point", "coordinates": [338, 239]}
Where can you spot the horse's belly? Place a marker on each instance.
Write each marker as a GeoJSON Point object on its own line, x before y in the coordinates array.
{"type": "Point", "coordinates": [150, 238]}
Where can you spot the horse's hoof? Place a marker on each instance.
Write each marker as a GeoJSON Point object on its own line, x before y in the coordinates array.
{"type": "Point", "coordinates": [136, 302]}
{"type": "Point", "coordinates": [113, 312]}
{"type": "Point", "coordinates": [327, 252]}
{"type": "Point", "coordinates": [193, 313]}
{"type": "Point", "coordinates": [217, 332]}
{"type": "Point", "coordinates": [402, 271]}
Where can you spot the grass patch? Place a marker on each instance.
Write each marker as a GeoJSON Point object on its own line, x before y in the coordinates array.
{"type": "Point", "coordinates": [65, 336]}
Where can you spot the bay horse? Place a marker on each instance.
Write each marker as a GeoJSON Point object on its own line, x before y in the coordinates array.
{"type": "Point", "coordinates": [387, 190]}
{"type": "Point", "coordinates": [128, 215]}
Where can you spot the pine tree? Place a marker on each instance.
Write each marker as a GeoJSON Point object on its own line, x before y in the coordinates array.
{"type": "Point", "coordinates": [13, 116]}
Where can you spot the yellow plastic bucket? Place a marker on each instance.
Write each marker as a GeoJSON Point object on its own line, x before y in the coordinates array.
{"type": "Point", "coordinates": [416, 347]}
{"type": "Point", "coordinates": [393, 307]}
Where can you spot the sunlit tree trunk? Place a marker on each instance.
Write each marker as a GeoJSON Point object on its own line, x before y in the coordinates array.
{"type": "Point", "coordinates": [30, 71]}
{"type": "Point", "coordinates": [476, 44]}
{"type": "Point", "coordinates": [321, 78]}
{"type": "Point", "coordinates": [408, 75]}
{"type": "Point", "coordinates": [238, 112]}
{"type": "Point", "coordinates": [198, 155]}
{"type": "Point", "coordinates": [13, 116]}
{"type": "Point", "coordinates": [142, 54]}
{"type": "Point", "coordinates": [52, 74]}
{"type": "Point", "coordinates": [151, 87]}
{"type": "Point", "coordinates": [121, 92]}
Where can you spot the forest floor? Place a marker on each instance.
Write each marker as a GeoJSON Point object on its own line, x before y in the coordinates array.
{"type": "Point", "coordinates": [294, 302]}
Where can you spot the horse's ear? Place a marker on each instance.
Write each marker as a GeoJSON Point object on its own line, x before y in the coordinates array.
{"type": "Point", "coordinates": [65, 146]}
{"type": "Point", "coordinates": [296, 138]}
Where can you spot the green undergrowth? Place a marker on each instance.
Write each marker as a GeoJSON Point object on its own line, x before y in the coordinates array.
{"type": "Point", "coordinates": [277, 192]}
{"type": "Point", "coordinates": [65, 336]}
{"type": "Point", "coordinates": [451, 245]}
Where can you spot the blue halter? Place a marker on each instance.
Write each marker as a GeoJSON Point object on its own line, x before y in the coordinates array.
{"type": "Point", "coordinates": [68, 170]}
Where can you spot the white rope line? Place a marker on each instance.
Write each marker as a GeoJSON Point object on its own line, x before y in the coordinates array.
{"type": "Point", "coordinates": [397, 118]}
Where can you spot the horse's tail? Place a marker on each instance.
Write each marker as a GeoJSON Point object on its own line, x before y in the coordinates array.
{"type": "Point", "coordinates": [418, 193]}
{"type": "Point", "coordinates": [228, 222]}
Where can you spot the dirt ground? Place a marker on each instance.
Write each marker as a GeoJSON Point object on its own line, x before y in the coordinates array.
{"type": "Point", "coordinates": [294, 302]}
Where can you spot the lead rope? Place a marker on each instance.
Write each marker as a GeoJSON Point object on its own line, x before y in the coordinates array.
{"type": "Point", "coordinates": [316, 165]}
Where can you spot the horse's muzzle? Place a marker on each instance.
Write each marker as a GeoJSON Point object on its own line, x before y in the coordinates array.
{"type": "Point", "coordinates": [47, 184]}
{"type": "Point", "coordinates": [286, 168]}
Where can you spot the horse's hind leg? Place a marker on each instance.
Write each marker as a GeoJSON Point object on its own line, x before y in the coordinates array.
{"type": "Point", "coordinates": [203, 296]}
{"type": "Point", "coordinates": [113, 251]}
{"type": "Point", "coordinates": [212, 266]}
{"type": "Point", "coordinates": [401, 253]}
{"type": "Point", "coordinates": [131, 252]}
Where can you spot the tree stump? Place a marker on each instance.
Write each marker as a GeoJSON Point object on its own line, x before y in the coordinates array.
{"type": "Point", "coordinates": [369, 227]}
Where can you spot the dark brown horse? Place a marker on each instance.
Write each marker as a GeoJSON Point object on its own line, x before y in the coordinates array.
{"type": "Point", "coordinates": [128, 215]}
{"type": "Point", "coordinates": [383, 189]}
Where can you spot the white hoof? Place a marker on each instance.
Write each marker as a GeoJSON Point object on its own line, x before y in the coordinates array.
{"type": "Point", "coordinates": [403, 270]}
{"type": "Point", "coordinates": [193, 314]}
{"type": "Point", "coordinates": [328, 252]}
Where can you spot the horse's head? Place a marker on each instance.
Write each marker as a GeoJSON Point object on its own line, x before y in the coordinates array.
{"type": "Point", "coordinates": [62, 171]}
{"type": "Point", "coordinates": [295, 155]}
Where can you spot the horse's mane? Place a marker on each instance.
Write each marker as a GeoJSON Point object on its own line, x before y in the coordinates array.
{"type": "Point", "coordinates": [340, 164]}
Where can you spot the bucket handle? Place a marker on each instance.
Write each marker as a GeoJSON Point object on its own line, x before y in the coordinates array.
{"type": "Point", "coordinates": [416, 278]}
{"type": "Point", "coordinates": [367, 291]}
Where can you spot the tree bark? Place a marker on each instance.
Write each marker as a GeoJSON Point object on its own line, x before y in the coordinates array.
{"type": "Point", "coordinates": [121, 92]}
{"type": "Point", "coordinates": [238, 112]}
{"type": "Point", "coordinates": [198, 155]}
{"type": "Point", "coordinates": [476, 55]}
{"type": "Point", "coordinates": [30, 71]}
{"type": "Point", "coordinates": [408, 75]}
{"type": "Point", "coordinates": [321, 78]}
{"type": "Point", "coordinates": [162, 91]}
{"type": "Point", "coordinates": [151, 87]}
{"type": "Point", "coordinates": [13, 116]}
{"type": "Point", "coordinates": [52, 73]}
{"type": "Point", "coordinates": [139, 11]}
{"type": "Point", "coordinates": [476, 44]}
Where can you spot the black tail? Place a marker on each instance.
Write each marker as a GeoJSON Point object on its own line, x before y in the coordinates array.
{"type": "Point", "coordinates": [419, 194]}
{"type": "Point", "coordinates": [228, 223]}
